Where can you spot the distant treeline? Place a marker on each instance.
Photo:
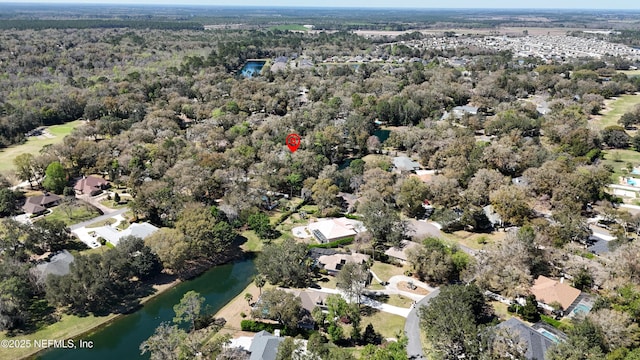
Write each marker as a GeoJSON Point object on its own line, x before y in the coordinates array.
{"type": "Point", "coordinates": [95, 24]}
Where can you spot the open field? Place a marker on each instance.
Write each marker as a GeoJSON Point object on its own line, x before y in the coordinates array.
{"type": "Point", "coordinates": [630, 72]}
{"type": "Point", "coordinates": [34, 144]}
{"type": "Point", "coordinates": [470, 240]}
{"type": "Point", "coordinates": [614, 109]}
{"type": "Point", "coordinates": [290, 27]}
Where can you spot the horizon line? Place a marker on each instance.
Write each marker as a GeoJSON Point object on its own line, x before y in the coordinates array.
{"type": "Point", "coordinates": [197, 4]}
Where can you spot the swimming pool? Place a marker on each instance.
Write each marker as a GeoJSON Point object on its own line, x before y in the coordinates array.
{"type": "Point", "coordinates": [550, 336]}
{"type": "Point", "coordinates": [581, 308]}
{"type": "Point", "coordinates": [632, 182]}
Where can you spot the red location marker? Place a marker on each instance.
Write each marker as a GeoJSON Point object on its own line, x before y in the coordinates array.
{"type": "Point", "coordinates": [293, 142]}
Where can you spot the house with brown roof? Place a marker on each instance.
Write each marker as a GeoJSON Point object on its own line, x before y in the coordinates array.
{"type": "Point", "coordinates": [548, 291]}
{"type": "Point", "coordinates": [37, 205]}
{"type": "Point", "coordinates": [334, 263]}
{"type": "Point", "coordinates": [90, 185]}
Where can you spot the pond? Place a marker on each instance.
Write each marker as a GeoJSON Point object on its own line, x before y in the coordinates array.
{"type": "Point", "coordinates": [121, 339]}
{"type": "Point", "coordinates": [252, 68]}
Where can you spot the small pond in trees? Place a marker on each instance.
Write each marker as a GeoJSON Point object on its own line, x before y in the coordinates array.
{"type": "Point", "coordinates": [252, 68]}
{"type": "Point", "coordinates": [383, 135]}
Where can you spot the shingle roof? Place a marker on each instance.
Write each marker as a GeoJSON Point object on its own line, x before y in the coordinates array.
{"type": "Point", "coordinates": [401, 253]}
{"type": "Point", "coordinates": [335, 228]}
{"type": "Point", "coordinates": [90, 184]}
{"type": "Point", "coordinates": [112, 235]}
{"type": "Point", "coordinates": [57, 265]}
{"type": "Point", "coordinates": [335, 262]}
{"type": "Point", "coordinates": [548, 291]}
{"type": "Point", "coordinates": [264, 346]}
{"type": "Point", "coordinates": [404, 163]}
{"type": "Point", "coordinates": [537, 344]}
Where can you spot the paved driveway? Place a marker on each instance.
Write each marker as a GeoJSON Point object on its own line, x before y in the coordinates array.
{"type": "Point", "coordinates": [412, 328]}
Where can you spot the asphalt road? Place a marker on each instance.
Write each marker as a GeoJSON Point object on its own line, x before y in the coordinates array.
{"type": "Point", "coordinates": [412, 328]}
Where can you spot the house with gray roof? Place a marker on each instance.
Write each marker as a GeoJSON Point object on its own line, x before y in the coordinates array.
{"type": "Point", "coordinates": [537, 342]}
{"type": "Point", "coordinates": [113, 235]}
{"type": "Point", "coordinates": [264, 346]}
{"type": "Point", "coordinates": [405, 164]}
{"type": "Point", "coordinates": [58, 264]}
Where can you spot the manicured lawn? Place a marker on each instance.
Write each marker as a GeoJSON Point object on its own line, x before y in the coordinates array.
{"type": "Point", "coordinates": [34, 144]}
{"type": "Point", "coordinates": [624, 156]}
{"type": "Point", "coordinates": [79, 213]}
{"type": "Point", "coordinates": [618, 107]}
{"type": "Point", "coordinates": [253, 243]}
{"type": "Point", "coordinates": [68, 327]}
{"type": "Point", "coordinates": [112, 204]}
{"type": "Point", "coordinates": [386, 271]}
{"type": "Point", "coordinates": [388, 325]}
{"type": "Point", "coordinates": [399, 300]}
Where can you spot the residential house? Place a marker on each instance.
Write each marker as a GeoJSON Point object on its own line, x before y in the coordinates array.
{"type": "Point", "coordinates": [424, 175]}
{"type": "Point", "coordinates": [405, 164]}
{"type": "Point", "coordinates": [537, 343]}
{"type": "Point", "coordinates": [264, 346]}
{"type": "Point", "coordinates": [37, 205]}
{"type": "Point", "coordinates": [90, 185]}
{"type": "Point", "coordinates": [334, 263]}
{"type": "Point", "coordinates": [401, 252]}
{"type": "Point", "coordinates": [58, 264]}
{"type": "Point", "coordinates": [335, 229]}
{"type": "Point", "coordinates": [548, 291]}
{"type": "Point", "coordinates": [459, 112]}
{"type": "Point", "coordinates": [113, 235]}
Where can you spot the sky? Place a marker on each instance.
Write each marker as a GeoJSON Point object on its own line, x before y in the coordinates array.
{"type": "Point", "coordinates": [486, 4]}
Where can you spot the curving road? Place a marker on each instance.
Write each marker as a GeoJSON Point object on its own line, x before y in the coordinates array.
{"type": "Point", "coordinates": [412, 328]}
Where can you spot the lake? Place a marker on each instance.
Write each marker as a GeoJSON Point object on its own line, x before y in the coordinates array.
{"type": "Point", "coordinates": [252, 68]}
{"type": "Point", "coordinates": [121, 339]}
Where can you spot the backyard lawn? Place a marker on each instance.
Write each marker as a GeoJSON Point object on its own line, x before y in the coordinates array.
{"type": "Point", "coordinates": [34, 144]}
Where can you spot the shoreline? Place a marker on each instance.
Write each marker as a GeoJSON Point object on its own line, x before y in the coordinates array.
{"type": "Point", "coordinates": [111, 317]}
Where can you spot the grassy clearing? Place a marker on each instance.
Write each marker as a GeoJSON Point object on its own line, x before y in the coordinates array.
{"type": "Point", "coordinates": [630, 72]}
{"type": "Point", "coordinates": [253, 243]}
{"type": "Point", "coordinates": [386, 271]}
{"type": "Point", "coordinates": [68, 327]}
{"type": "Point", "coordinates": [470, 240]}
{"type": "Point", "coordinates": [34, 144]}
{"type": "Point", "coordinates": [616, 108]}
{"type": "Point", "coordinates": [501, 310]}
{"type": "Point", "coordinates": [400, 301]}
{"type": "Point", "coordinates": [78, 214]}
